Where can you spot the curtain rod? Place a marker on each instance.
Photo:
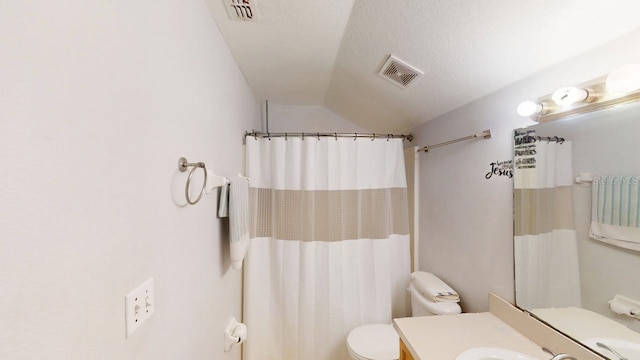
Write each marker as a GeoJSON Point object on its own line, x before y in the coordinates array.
{"type": "Point", "coordinates": [483, 135]}
{"type": "Point", "coordinates": [318, 135]}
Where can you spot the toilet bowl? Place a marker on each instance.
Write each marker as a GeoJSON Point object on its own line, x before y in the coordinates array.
{"type": "Point", "coordinates": [380, 341]}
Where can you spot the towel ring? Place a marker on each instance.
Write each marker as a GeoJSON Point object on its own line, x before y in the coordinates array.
{"type": "Point", "coordinates": [183, 164]}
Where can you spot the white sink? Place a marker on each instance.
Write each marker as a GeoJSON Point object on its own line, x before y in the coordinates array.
{"type": "Point", "coordinates": [628, 349]}
{"type": "Point", "coordinates": [490, 353]}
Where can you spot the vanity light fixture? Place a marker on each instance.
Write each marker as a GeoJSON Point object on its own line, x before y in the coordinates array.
{"type": "Point", "coordinates": [622, 86]}
{"type": "Point", "coordinates": [530, 108]}
{"type": "Point", "coordinates": [570, 95]}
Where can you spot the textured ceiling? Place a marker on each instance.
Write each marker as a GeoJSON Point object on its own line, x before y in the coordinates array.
{"type": "Point", "coordinates": [288, 53]}
{"type": "Point", "coordinates": [328, 52]}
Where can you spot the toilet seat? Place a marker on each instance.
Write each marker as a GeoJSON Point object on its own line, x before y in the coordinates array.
{"type": "Point", "coordinates": [374, 342]}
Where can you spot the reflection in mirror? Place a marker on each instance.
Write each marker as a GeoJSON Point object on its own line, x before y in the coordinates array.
{"type": "Point", "coordinates": [572, 258]}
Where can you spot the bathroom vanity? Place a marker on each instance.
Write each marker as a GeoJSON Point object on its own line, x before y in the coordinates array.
{"type": "Point", "coordinates": [505, 327]}
{"type": "Point", "coordinates": [444, 337]}
{"type": "Point", "coordinates": [405, 354]}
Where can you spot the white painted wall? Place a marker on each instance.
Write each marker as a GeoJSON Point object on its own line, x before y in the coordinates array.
{"type": "Point", "coordinates": [466, 220]}
{"type": "Point", "coordinates": [98, 101]}
{"type": "Point", "coordinates": [307, 118]}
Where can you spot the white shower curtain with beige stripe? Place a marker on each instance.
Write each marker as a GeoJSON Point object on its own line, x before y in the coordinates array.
{"type": "Point", "coordinates": [329, 244]}
{"type": "Point", "coordinates": [545, 244]}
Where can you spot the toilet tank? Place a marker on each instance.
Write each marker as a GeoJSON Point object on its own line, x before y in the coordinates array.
{"type": "Point", "coordinates": [421, 306]}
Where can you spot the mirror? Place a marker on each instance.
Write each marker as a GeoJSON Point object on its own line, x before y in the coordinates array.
{"type": "Point", "coordinates": [563, 276]}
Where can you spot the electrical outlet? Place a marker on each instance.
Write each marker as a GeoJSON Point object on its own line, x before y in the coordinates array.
{"type": "Point", "coordinates": [139, 306]}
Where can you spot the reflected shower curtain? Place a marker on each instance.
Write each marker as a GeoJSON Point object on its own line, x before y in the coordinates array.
{"type": "Point", "coordinates": [545, 244]}
{"type": "Point", "coordinates": [329, 244]}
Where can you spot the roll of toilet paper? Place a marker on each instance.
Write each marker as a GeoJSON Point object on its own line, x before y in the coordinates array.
{"type": "Point", "coordinates": [619, 308]}
{"type": "Point", "coordinates": [240, 332]}
{"type": "Point", "coordinates": [624, 306]}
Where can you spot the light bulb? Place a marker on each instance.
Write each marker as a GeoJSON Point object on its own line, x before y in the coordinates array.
{"type": "Point", "coordinates": [624, 79]}
{"type": "Point", "coordinates": [569, 95]}
{"type": "Point", "coordinates": [528, 108]}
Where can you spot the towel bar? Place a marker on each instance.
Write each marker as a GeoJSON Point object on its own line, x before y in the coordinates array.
{"type": "Point", "coordinates": [183, 165]}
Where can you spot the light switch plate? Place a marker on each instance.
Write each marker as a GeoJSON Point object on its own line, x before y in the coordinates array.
{"type": "Point", "coordinates": [139, 306]}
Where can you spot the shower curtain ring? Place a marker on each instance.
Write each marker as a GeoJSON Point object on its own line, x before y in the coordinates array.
{"type": "Point", "coordinates": [561, 141]}
{"type": "Point", "coordinates": [373, 136]}
{"type": "Point", "coordinates": [355, 136]}
{"type": "Point", "coordinates": [285, 136]}
{"type": "Point", "coordinates": [388, 137]}
{"type": "Point", "coordinates": [318, 136]}
{"type": "Point", "coordinates": [302, 136]}
{"type": "Point", "coordinates": [269, 136]}
{"type": "Point", "coordinates": [336, 136]}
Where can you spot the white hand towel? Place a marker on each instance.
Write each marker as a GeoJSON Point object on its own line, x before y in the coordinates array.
{"type": "Point", "coordinates": [434, 288]}
{"type": "Point", "coordinates": [238, 220]}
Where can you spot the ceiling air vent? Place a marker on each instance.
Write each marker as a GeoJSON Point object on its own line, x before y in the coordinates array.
{"type": "Point", "coordinates": [241, 9]}
{"type": "Point", "coordinates": [399, 72]}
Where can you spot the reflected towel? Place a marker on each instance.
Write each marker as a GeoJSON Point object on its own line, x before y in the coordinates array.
{"type": "Point", "coordinates": [434, 288]}
{"type": "Point", "coordinates": [615, 211]}
{"type": "Point", "coordinates": [238, 220]}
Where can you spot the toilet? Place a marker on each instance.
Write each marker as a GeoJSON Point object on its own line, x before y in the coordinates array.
{"type": "Point", "coordinates": [380, 341]}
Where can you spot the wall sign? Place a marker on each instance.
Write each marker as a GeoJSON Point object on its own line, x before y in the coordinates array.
{"type": "Point", "coordinates": [525, 149]}
{"type": "Point", "coordinates": [501, 168]}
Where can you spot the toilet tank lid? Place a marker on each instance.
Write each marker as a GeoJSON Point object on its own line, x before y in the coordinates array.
{"type": "Point", "coordinates": [375, 342]}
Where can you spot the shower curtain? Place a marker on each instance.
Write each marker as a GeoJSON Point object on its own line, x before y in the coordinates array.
{"type": "Point", "coordinates": [545, 244]}
{"type": "Point", "coordinates": [329, 244]}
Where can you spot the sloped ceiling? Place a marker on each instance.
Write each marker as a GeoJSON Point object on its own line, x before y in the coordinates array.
{"type": "Point", "coordinates": [312, 52]}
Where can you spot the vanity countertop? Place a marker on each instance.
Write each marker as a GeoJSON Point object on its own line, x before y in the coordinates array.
{"type": "Point", "coordinates": [444, 337]}
{"type": "Point", "coordinates": [583, 324]}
